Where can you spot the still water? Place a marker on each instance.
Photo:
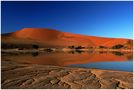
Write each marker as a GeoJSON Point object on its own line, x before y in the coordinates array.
{"type": "Point", "coordinates": [122, 61]}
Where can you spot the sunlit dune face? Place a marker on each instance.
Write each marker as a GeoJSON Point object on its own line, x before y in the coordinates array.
{"type": "Point", "coordinates": [95, 41]}
{"type": "Point", "coordinates": [115, 42]}
{"type": "Point", "coordinates": [63, 39]}
{"type": "Point", "coordinates": [37, 34]}
{"type": "Point", "coordinates": [109, 42]}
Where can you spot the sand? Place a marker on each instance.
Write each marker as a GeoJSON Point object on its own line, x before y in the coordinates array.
{"type": "Point", "coordinates": [34, 76]}
{"type": "Point", "coordinates": [55, 38]}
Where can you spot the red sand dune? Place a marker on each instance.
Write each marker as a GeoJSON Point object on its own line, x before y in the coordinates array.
{"type": "Point", "coordinates": [57, 38]}
{"type": "Point", "coordinates": [37, 34]}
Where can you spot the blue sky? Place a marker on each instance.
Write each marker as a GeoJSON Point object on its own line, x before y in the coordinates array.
{"type": "Point", "coordinates": [94, 18]}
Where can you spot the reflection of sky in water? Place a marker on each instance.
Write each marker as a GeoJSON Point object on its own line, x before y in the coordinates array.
{"type": "Point", "coordinates": [123, 66]}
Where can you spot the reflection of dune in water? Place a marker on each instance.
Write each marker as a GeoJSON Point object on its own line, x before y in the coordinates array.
{"type": "Point", "coordinates": [64, 59]}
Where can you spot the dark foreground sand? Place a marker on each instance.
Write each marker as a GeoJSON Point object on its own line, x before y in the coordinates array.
{"type": "Point", "coordinates": [15, 75]}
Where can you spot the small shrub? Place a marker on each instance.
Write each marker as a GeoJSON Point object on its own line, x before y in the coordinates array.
{"type": "Point", "coordinates": [21, 49]}
{"type": "Point", "coordinates": [79, 47]}
{"type": "Point", "coordinates": [117, 46]}
{"type": "Point", "coordinates": [71, 47]}
{"type": "Point", "coordinates": [35, 46]}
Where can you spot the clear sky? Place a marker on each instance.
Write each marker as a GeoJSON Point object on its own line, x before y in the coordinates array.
{"type": "Point", "coordinates": [95, 18]}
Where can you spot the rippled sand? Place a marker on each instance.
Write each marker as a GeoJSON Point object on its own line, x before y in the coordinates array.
{"type": "Point", "coordinates": [30, 76]}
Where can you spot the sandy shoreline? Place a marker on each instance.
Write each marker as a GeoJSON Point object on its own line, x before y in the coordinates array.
{"type": "Point", "coordinates": [67, 49]}
{"type": "Point", "coordinates": [33, 76]}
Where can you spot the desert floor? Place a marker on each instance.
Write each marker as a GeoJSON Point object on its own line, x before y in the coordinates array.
{"type": "Point", "coordinates": [33, 76]}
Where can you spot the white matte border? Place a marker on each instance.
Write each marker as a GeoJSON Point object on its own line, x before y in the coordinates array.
{"type": "Point", "coordinates": [65, 0]}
